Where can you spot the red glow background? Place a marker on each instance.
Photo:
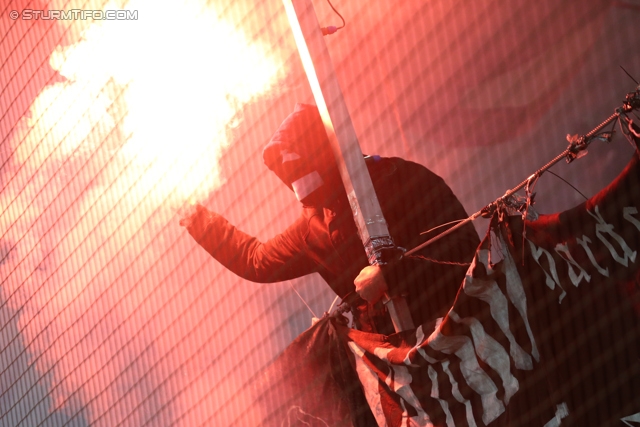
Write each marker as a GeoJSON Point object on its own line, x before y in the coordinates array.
{"type": "Point", "coordinates": [111, 315]}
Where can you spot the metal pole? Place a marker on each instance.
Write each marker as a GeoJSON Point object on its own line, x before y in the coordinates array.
{"type": "Point", "coordinates": [367, 213]}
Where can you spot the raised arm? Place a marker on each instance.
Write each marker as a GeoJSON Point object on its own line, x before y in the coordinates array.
{"type": "Point", "coordinates": [280, 258]}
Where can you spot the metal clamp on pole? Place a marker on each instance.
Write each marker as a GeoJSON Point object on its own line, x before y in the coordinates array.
{"type": "Point", "coordinates": [381, 251]}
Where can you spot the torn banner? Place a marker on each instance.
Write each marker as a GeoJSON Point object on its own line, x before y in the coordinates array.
{"type": "Point", "coordinates": [545, 331]}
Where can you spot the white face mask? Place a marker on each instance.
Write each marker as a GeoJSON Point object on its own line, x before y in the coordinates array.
{"type": "Point", "coordinates": [306, 185]}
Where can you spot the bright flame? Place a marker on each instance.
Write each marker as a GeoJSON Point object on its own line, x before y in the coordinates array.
{"type": "Point", "coordinates": [139, 125]}
{"type": "Point", "coordinates": [183, 74]}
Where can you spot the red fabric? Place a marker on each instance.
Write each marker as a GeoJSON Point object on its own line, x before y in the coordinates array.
{"type": "Point", "coordinates": [311, 384]}
{"type": "Point", "coordinates": [325, 240]}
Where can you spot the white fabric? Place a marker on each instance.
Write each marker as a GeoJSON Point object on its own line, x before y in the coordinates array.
{"type": "Point", "coordinates": [562, 411]}
{"type": "Point", "coordinates": [488, 291]}
{"type": "Point", "coordinates": [455, 390]}
{"type": "Point", "coordinates": [288, 156]}
{"type": "Point", "coordinates": [602, 228]}
{"type": "Point", "coordinates": [399, 380]}
{"type": "Point", "coordinates": [369, 381]}
{"type": "Point", "coordinates": [490, 352]}
{"type": "Point", "coordinates": [635, 418]}
{"type": "Point", "coordinates": [551, 279]}
{"type": "Point", "coordinates": [475, 377]}
{"type": "Point", "coordinates": [515, 291]}
{"type": "Point", "coordinates": [435, 393]}
{"type": "Point", "coordinates": [307, 185]}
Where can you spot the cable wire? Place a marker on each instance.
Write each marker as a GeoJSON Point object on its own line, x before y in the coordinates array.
{"type": "Point", "coordinates": [442, 225]}
{"type": "Point", "coordinates": [302, 299]}
{"type": "Point", "coordinates": [568, 183]}
{"type": "Point", "coordinates": [337, 13]}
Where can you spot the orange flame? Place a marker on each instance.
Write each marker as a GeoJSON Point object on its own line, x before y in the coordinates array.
{"type": "Point", "coordinates": [183, 74]}
{"type": "Point", "coordinates": [139, 124]}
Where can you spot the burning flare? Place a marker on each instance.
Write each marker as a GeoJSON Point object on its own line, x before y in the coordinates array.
{"type": "Point", "coordinates": [138, 125]}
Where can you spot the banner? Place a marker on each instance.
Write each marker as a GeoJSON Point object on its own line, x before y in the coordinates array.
{"type": "Point", "coordinates": [545, 331]}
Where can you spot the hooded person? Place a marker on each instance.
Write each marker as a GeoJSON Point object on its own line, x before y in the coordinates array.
{"type": "Point", "coordinates": [324, 239]}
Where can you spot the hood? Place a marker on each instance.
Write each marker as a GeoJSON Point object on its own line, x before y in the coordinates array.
{"type": "Point", "coordinates": [299, 153]}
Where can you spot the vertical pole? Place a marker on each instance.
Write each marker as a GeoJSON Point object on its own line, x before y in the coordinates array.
{"type": "Point", "coordinates": [367, 213]}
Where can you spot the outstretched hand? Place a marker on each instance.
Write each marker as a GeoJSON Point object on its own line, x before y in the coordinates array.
{"type": "Point", "coordinates": [188, 212]}
{"type": "Point", "coordinates": [370, 284]}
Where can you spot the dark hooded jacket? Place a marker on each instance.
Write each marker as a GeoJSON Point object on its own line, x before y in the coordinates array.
{"type": "Point", "coordinates": [324, 238]}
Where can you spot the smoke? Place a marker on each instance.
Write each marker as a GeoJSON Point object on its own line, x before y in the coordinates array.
{"type": "Point", "coordinates": [91, 279]}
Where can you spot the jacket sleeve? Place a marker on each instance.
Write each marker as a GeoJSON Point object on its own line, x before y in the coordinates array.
{"type": "Point", "coordinates": [280, 258]}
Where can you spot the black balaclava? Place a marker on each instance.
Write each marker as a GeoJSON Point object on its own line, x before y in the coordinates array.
{"type": "Point", "coordinates": [300, 154]}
